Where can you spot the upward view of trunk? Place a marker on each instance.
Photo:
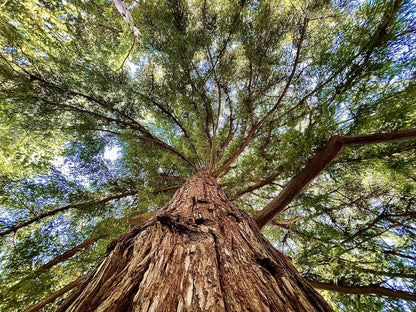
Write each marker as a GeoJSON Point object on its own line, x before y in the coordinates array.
{"type": "Point", "coordinates": [198, 253]}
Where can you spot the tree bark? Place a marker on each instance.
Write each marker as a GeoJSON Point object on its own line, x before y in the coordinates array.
{"type": "Point", "coordinates": [198, 253]}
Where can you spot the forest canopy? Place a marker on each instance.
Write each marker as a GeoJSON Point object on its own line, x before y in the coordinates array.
{"type": "Point", "coordinates": [304, 111]}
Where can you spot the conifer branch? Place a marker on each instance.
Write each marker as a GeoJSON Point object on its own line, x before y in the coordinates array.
{"type": "Point", "coordinates": [59, 259]}
{"type": "Point", "coordinates": [125, 13]}
{"type": "Point", "coordinates": [71, 252]}
{"type": "Point", "coordinates": [89, 98]}
{"type": "Point", "coordinates": [136, 125]}
{"type": "Point", "coordinates": [379, 155]}
{"type": "Point", "coordinates": [80, 205]}
{"type": "Point", "coordinates": [64, 208]}
{"type": "Point", "coordinates": [218, 85]}
{"type": "Point", "coordinates": [87, 112]}
{"type": "Point", "coordinates": [364, 290]}
{"type": "Point", "coordinates": [54, 296]}
{"type": "Point", "coordinates": [319, 162]}
{"type": "Point", "coordinates": [247, 140]}
{"type": "Point", "coordinates": [171, 116]}
{"type": "Point", "coordinates": [140, 128]}
{"type": "Point", "coordinates": [259, 184]}
{"type": "Point", "coordinates": [231, 120]}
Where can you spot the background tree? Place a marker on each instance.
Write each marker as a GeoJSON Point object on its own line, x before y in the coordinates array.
{"type": "Point", "coordinates": [282, 101]}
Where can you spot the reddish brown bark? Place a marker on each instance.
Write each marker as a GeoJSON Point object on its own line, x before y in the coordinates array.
{"type": "Point", "coordinates": [198, 253]}
{"type": "Point", "coordinates": [318, 163]}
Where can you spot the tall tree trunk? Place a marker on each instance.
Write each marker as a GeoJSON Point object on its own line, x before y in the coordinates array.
{"type": "Point", "coordinates": [198, 253]}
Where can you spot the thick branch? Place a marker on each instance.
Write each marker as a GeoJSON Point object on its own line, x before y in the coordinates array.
{"type": "Point", "coordinates": [69, 253]}
{"type": "Point", "coordinates": [380, 155]}
{"type": "Point", "coordinates": [363, 290]}
{"type": "Point", "coordinates": [319, 162]}
{"type": "Point", "coordinates": [53, 297]}
{"type": "Point", "coordinates": [364, 139]}
{"type": "Point", "coordinates": [314, 167]}
{"type": "Point", "coordinates": [125, 13]}
{"type": "Point", "coordinates": [64, 208]}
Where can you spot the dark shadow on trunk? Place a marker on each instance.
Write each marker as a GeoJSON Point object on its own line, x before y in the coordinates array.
{"type": "Point", "coordinates": [198, 253]}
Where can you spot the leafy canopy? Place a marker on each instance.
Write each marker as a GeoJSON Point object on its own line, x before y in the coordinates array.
{"type": "Point", "coordinates": [249, 90]}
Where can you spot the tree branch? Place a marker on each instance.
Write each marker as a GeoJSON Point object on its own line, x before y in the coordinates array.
{"type": "Point", "coordinates": [319, 162]}
{"type": "Point", "coordinates": [71, 252]}
{"type": "Point", "coordinates": [89, 98]}
{"type": "Point", "coordinates": [139, 128]}
{"type": "Point", "coordinates": [380, 155]}
{"type": "Point", "coordinates": [64, 208]}
{"type": "Point", "coordinates": [260, 183]}
{"type": "Point", "coordinates": [125, 13]}
{"type": "Point", "coordinates": [271, 111]}
{"type": "Point", "coordinates": [53, 297]}
{"type": "Point", "coordinates": [364, 290]}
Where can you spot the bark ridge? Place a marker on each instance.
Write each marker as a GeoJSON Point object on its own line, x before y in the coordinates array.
{"type": "Point", "coordinates": [198, 253]}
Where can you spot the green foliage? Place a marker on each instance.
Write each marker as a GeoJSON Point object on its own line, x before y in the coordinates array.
{"type": "Point", "coordinates": [241, 80]}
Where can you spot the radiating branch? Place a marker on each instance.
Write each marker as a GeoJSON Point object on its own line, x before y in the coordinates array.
{"type": "Point", "coordinates": [64, 208]}
{"type": "Point", "coordinates": [218, 85]}
{"type": "Point", "coordinates": [319, 162]}
{"type": "Point", "coordinates": [125, 13]}
{"type": "Point", "coordinates": [71, 252]}
{"type": "Point", "coordinates": [89, 98]}
{"type": "Point", "coordinates": [247, 140]}
{"type": "Point", "coordinates": [364, 290]}
{"type": "Point", "coordinates": [137, 127]}
{"type": "Point", "coordinates": [53, 297]}
{"type": "Point", "coordinates": [260, 184]}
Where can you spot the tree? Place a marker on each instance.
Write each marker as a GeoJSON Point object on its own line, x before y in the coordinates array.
{"type": "Point", "coordinates": [301, 114]}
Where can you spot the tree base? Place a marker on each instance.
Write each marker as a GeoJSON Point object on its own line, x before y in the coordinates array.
{"type": "Point", "coordinates": [198, 253]}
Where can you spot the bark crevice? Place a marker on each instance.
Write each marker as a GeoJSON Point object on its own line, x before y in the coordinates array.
{"type": "Point", "coordinates": [198, 253]}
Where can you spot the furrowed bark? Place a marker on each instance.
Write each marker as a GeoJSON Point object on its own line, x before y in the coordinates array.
{"type": "Point", "coordinates": [318, 163]}
{"type": "Point", "coordinates": [364, 290]}
{"type": "Point", "coordinates": [211, 255]}
{"type": "Point", "coordinates": [64, 208]}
